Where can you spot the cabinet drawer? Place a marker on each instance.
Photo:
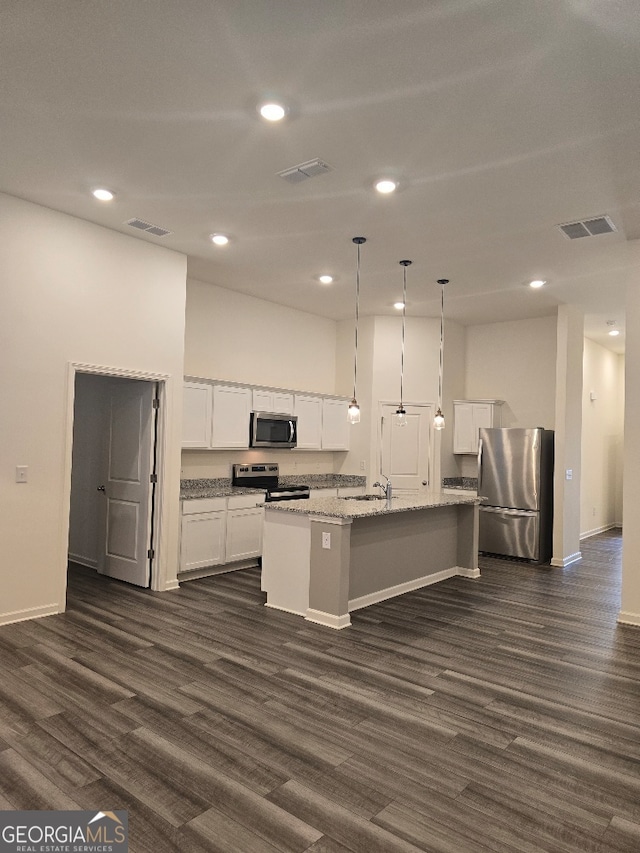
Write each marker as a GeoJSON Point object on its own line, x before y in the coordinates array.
{"type": "Point", "coordinates": [244, 501]}
{"type": "Point", "coordinates": [203, 505]}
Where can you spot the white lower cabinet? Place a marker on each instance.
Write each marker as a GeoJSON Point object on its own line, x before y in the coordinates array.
{"type": "Point", "coordinates": [204, 527]}
{"type": "Point", "coordinates": [220, 531]}
{"type": "Point", "coordinates": [244, 527]}
{"type": "Point", "coordinates": [244, 534]}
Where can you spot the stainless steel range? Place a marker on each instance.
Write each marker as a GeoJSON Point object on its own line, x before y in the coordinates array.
{"type": "Point", "coordinates": [266, 476]}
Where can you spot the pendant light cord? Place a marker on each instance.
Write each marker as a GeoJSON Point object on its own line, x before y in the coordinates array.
{"type": "Point", "coordinates": [441, 282]}
{"type": "Point", "coordinates": [404, 318]}
{"type": "Point", "coordinates": [441, 345]}
{"type": "Point", "coordinates": [355, 357]}
{"type": "Point", "coordinates": [358, 241]}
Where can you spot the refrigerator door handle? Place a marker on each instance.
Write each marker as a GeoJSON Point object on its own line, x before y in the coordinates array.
{"type": "Point", "coordinates": [479, 464]}
{"type": "Point", "coordinates": [500, 510]}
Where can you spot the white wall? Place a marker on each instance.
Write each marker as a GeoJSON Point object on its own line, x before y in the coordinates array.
{"type": "Point", "coordinates": [630, 602]}
{"type": "Point", "coordinates": [379, 362]}
{"type": "Point", "coordinates": [568, 436]}
{"type": "Point", "coordinates": [515, 362]}
{"type": "Point", "coordinates": [602, 429]}
{"type": "Point", "coordinates": [73, 292]}
{"type": "Point", "coordinates": [239, 338]}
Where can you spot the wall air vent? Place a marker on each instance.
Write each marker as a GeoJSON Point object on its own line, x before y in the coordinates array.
{"type": "Point", "coordinates": [300, 173]}
{"type": "Point", "coordinates": [588, 227]}
{"type": "Point", "coordinates": [141, 225]}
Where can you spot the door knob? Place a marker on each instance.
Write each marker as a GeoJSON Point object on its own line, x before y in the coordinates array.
{"type": "Point", "coordinates": [101, 489]}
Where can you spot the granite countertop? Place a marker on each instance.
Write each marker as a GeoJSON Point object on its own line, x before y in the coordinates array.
{"type": "Point", "coordinates": [221, 487]}
{"type": "Point", "coordinates": [348, 508]}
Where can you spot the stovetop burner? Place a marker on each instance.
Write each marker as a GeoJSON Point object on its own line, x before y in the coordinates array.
{"type": "Point", "coordinates": [265, 476]}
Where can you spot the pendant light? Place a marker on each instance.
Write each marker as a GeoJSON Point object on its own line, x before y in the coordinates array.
{"type": "Point", "coordinates": [401, 415]}
{"type": "Point", "coordinates": [354, 408]}
{"type": "Point", "coordinates": [438, 421]}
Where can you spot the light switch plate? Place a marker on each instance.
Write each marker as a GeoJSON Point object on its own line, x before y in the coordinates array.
{"type": "Point", "coordinates": [22, 473]}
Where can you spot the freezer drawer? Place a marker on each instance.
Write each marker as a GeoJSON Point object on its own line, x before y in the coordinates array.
{"type": "Point", "coordinates": [510, 532]}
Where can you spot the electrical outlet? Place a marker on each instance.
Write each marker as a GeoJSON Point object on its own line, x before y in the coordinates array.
{"type": "Point", "coordinates": [326, 540]}
{"type": "Point", "coordinates": [363, 464]}
{"type": "Point", "coordinates": [569, 474]}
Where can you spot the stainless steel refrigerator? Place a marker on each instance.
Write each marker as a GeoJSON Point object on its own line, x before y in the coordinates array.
{"type": "Point", "coordinates": [515, 482]}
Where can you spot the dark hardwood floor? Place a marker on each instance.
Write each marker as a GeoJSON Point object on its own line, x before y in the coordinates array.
{"type": "Point", "coordinates": [497, 714]}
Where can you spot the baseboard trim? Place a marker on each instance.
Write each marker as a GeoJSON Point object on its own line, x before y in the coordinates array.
{"type": "Point", "coordinates": [285, 609]}
{"type": "Point", "coordinates": [467, 573]}
{"type": "Point", "coordinates": [87, 562]}
{"type": "Point", "coordinates": [29, 613]}
{"type": "Point", "coordinates": [626, 618]}
{"type": "Point", "coordinates": [401, 588]}
{"type": "Point", "coordinates": [566, 561]}
{"type": "Point", "coordinates": [174, 584]}
{"type": "Point", "coordinates": [223, 568]}
{"type": "Point", "coordinates": [328, 619]}
{"type": "Point", "coordinates": [597, 530]}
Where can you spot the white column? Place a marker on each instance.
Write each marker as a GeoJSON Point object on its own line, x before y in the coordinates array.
{"type": "Point", "coordinates": [568, 436]}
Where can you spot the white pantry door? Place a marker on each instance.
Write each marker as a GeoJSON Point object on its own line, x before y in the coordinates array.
{"type": "Point", "coordinates": [127, 486]}
{"type": "Point", "coordinates": [405, 449]}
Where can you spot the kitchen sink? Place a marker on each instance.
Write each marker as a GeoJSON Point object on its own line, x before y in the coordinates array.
{"type": "Point", "coordinates": [364, 498]}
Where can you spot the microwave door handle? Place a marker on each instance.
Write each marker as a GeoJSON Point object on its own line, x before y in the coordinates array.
{"type": "Point", "coordinates": [291, 436]}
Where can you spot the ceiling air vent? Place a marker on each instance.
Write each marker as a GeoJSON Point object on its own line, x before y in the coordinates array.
{"type": "Point", "coordinates": [300, 173]}
{"type": "Point", "coordinates": [588, 227]}
{"type": "Point", "coordinates": [141, 225]}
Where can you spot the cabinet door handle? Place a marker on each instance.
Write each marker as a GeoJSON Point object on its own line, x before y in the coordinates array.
{"type": "Point", "coordinates": [101, 489]}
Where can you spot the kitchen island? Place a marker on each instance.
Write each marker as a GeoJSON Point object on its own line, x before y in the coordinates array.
{"type": "Point", "coordinates": [325, 557]}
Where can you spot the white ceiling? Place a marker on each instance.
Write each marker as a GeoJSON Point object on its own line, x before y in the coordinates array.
{"type": "Point", "coordinates": [500, 118]}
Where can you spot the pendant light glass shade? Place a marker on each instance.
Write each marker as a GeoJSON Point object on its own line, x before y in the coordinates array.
{"type": "Point", "coordinates": [438, 421]}
{"type": "Point", "coordinates": [401, 414]}
{"type": "Point", "coordinates": [354, 408]}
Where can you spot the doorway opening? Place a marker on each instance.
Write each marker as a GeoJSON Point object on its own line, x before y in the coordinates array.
{"type": "Point", "coordinates": [114, 477]}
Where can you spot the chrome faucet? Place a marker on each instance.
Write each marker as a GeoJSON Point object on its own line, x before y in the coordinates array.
{"type": "Point", "coordinates": [387, 489]}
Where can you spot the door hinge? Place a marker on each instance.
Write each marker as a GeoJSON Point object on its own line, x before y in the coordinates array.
{"type": "Point", "coordinates": [153, 478]}
{"type": "Point", "coordinates": [156, 404]}
{"type": "Point", "coordinates": [151, 553]}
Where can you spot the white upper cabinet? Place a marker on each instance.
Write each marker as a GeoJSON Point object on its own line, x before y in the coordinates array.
{"type": "Point", "coordinates": [468, 417]}
{"type": "Point", "coordinates": [309, 413]}
{"type": "Point", "coordinates": [335, 425]}
{"type": "Point", "coordinates": [216, 416]}
{"type": "Point", "coordinates": [231, 412]}
{"type": "Point", "coordinates": [280, 402]}
{"type": "Point", "coordinates": [196, 415]}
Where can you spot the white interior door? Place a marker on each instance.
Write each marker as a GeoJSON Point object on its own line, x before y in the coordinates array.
{"type": "Point", "coordinates": [127, 485]}
{"type": "Point", "coordinates": [405, 450]}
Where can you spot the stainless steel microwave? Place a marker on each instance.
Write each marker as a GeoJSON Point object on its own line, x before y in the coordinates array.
{"type": "Point", "coordinates": [269, 429]}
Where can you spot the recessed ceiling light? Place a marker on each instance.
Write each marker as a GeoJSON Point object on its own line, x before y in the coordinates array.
{"type": "Point", "coordinates": [219, 239]}
{"type": "Point", "coordinates": [386, 186]}
{"type": "Point", "coordinates": [325, 279]}
{"type": "Point", "coordinates": [398, 305]}
{"type": "Point", "coordinates": [272, 111]}
{"type": "Point", "coordinates": [536, 283]}
{"type": "Point", "coordinates": [614, 333]}
{"type": "Point", "coordinates": [103, 194]}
